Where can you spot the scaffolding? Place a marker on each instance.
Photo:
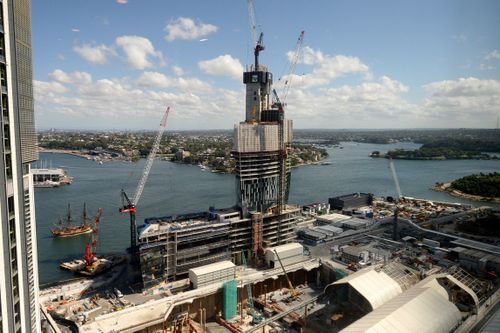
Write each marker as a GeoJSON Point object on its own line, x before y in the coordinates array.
{"type": "Point", "coordinates": [401, 274]}
{"type": "Point", "coordinates": [468, 280]}
{"type": "Point", "coordinates": [170, 249]}
{"type": "Point", "coordinates": [257, 230]}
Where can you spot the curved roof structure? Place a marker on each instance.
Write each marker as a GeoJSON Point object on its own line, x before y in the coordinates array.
{"type": "Point", "coordinates": [424, 308]}
{"type": "Point", "coordinates": [376, 287]}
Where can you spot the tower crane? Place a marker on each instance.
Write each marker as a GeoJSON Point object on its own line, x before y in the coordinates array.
{"type": "Point", "coordinates": [130, 206]}
{"type": "Point", "coordinates": [292, 65]}
{"type": "Point", "coordinates": [257, 44]}
{"type": "Point", "coordinates": [283, 148]}
{"type": "Point", "coordinates": [91, 247]}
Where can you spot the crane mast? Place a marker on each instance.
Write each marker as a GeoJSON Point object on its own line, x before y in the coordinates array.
{"type": "Point", "coordinates": [129, 206]}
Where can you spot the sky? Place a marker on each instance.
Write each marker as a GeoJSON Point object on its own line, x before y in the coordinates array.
{"type": "Point", "coordinates": [117, 64]}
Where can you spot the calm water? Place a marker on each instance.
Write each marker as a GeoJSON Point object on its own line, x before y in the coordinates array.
{"type": "Point", "coordinates": [174, 188]}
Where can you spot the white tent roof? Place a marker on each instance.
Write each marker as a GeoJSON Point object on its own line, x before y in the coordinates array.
{"type": "Point", "coordinates": [423, 308]}
{"type": "Point", "coordinates": [376, 287]}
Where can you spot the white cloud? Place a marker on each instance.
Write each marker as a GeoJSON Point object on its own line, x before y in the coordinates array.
{"type": "Point", "coordinates": [122, 98]}
{"type": "Point", "coordinates": [75, 30]}
{"type": "Point", "coordinates": [97, 55]}
{"type": "Point", "coordinates": [122, 2]}
{"type": "Point", "coordinates": [177, 70]}
{"type": "Point", "coordinates": [362, 103]}
{"type": "Point", "coordinates": [43, 88]}
{"type": "Point", "coordinates": [139, 51]}
{"type": "Point", "coordinates": [485, 67]}
{"type": "Point", "coordinates": [493, 55]}
{"type": "Point", "coordinates": [327, 68]}
{"type": "Point", "coordinates": [159, 80]}
{"type": "Point", "coordinates": [469, 100]}
{"type": "Point", "coordinates": [72, 78]}
{"type": "Point", "coordinates": [192, 84]}
{"type": "Point", "coordinates": [187, 28]}
{"type": "Point", "coordinates": [154, 79]}
{"type": "Point", "coordinates": [471, 87]}
{"type": "Point", "coordinates": [224, 65]}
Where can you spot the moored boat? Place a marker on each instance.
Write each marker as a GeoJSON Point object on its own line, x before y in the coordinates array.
{"type": "Point", "coordinates": [67, 229]}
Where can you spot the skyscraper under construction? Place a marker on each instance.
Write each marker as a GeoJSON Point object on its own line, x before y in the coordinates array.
{"type": "Point", "coordinates": [261, 153]}
{"type": "Point", "coordinates": [171, 245]}
{"type": "Point", "coordinates": [260, 145]}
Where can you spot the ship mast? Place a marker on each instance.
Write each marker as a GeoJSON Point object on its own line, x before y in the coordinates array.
{"type": "Point", "coordinates": [68, 216]}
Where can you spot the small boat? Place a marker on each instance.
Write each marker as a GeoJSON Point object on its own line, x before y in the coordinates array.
{"type": "Point", "coordinates": [67, 229]}
{"type": "Point", "coordinates": [102, 264]}
{"type": "Point", "coordinates": [74, 265]}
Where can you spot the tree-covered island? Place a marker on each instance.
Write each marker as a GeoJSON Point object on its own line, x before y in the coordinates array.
{"type": "Point", "coordinates": [481, 187]}
{"type": "Point", "coordinates": [447, 149]}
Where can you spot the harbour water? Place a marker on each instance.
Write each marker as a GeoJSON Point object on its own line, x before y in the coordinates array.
{"type": "Point", "coordinates": [174, 188]}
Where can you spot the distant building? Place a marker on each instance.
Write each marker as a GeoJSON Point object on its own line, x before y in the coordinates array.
{"type": "Point", "coordinates": [316, 208]}
{"type": "Point", "coordinates": [18, 247]}
{"type": "Point", "coordinates": [351, 201]}
{"type": "Point", "coordinates": [182, 154]}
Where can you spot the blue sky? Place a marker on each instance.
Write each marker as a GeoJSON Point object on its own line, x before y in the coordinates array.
{"type": "Point", "coordinates": [108, 64]}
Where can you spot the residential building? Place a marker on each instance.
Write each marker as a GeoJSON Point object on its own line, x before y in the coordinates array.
{"type": "Point", "coordinates": [18, 255]}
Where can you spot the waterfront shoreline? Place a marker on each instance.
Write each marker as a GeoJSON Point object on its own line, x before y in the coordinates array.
{"type": "Point", "coordinates": [446, 187]}
{"type": "Point", "coordinates": [62, 151]}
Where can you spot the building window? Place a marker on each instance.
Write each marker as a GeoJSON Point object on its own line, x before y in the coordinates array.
{"type": "Point", "coordinates": [8, 165]}
{"type": "Point", "coordinates": [3, 76]}
{"type": "Point", "coordinates": [10, 204]}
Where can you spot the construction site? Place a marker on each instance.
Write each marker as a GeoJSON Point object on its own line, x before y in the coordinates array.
{"type": "Point", "coordinates": [265, 265]}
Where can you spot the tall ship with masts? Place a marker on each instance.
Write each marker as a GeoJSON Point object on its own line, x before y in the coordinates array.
{"type": "Point", "coordinates": [69, 229]}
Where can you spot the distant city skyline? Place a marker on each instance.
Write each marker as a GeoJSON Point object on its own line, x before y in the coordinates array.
{"type": "Point", "coordinates": [117, 64]}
